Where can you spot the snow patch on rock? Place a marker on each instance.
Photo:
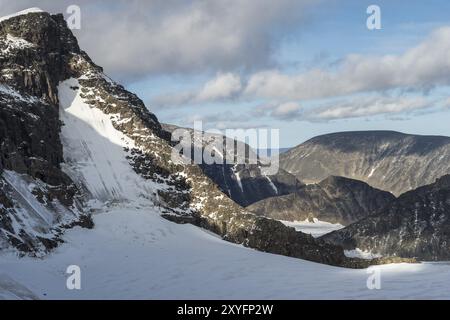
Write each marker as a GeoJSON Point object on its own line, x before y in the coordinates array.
{"type": "Point", "coordinates": [95, 152]}
{"type": "Point", "coordinates": [316, 228]}
{"type": "Point", "coordinates": [358, 253]}
{"type": "Point", "coordinates": [20, 13]}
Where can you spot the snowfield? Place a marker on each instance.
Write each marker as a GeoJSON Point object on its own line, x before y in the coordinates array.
{"type": "Point", "coordinates": [12, 290]}
{"type": "Point", "coordinates": [133, 253]}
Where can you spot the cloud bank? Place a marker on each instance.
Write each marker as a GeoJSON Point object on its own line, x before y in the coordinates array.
{"type": "Point", "coordinates": [421, 68]}
{"type": "Point", "coordinates": [418, 70]}
{"type": "Point", "coordinates": [137, 38]}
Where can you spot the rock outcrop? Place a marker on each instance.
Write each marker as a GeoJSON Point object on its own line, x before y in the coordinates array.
{"type": "Point", "coordinates": [335, 200]}
{"type": "Point", "coordinates": [244, 182]}
{"type": "Point", "coordinates": [416, 225]}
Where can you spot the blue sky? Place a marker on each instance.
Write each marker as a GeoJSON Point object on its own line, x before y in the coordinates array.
{"type": "Point", "coordinates": [332, 31]}
{"type": "Point", "coordinates": [306, 67]}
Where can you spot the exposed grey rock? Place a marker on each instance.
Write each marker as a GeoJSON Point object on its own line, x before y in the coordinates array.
{"type": "Point", "coordinates": [386, 160]}
{"type": "Point", "coordinates": [244, 183]}
{"type": "Point", "coordinates": [416, 225]}
{"type": "Point", "coordinates": [335, 199]}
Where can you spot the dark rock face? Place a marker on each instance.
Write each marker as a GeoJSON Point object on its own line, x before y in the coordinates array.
{"type": "Point", "coordinates": [48, 45]}
{"type": "Point", "coordinates": [335, 200]}
{"type": "Point", "coordinates": [386, 160]}
{"type": "Point", "coordinates": [253, 185]}
{"type": "Point", "coordinates": [37, 49]}
{"type": "Point", "coordinates": [416, 225]}
{"type": "Point", "coordinates": [34, 53]}
{"type": "Point", "coordinates": [244, 183]}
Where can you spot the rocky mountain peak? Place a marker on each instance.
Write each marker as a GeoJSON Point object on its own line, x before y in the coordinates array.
{"type": "Point", "coordinates": [37, 50]}
{"type": "Point", "coordinates": [48, 32]}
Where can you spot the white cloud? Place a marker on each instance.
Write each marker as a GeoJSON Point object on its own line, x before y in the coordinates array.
{"type": "Point", "coordinates": [422, 67]}
{"type": "Point", "coordinates": [224, 86]}
{"type": "Point", "coordinates": [369, 106]}
{"type": "Point", "coordinates": [217, 117]}
{"type": "Point", "coordinates": [286, 110]}
{"type": "Point", "coordinates": [347, 108]}
{"type": "Point", "coordinates": [219, 120]}
{"type": "Point", "coordinates": [137, 38]}
{"type": "Point", "coordinates": [446, 104]}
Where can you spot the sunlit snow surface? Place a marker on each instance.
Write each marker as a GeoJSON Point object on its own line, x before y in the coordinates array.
{"type": "Point", "coordinates": [134, 253]}
{"type": "Point", "coordinates": [94, 151]}
{"type": "Point", "coordinates": [12, 290]}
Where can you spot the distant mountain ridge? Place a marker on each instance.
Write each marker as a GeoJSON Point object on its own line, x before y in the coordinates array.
{"type": "Point", "coordinates": [387, 160]}
{"type": "Point", "coordinates": [271, 152]}
{"type": "Point", "coordinates": [335, 199]}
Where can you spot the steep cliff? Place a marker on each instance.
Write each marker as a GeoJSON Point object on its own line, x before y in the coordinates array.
{"type": "Point", "coordinates": [416, 225]}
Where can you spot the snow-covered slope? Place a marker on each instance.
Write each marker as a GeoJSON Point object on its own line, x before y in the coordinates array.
{"type": "Point", "coordinates": [31, 220]}
{"type": "Point", "coordinates": [94, 152]}
{"type": "Point", "coordinates": [136, 254]}
{"type": "Point", "coordinates": [12, 290]}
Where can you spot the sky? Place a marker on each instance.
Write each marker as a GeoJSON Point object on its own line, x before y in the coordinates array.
{"type": "Point", "coordinates": [305, 67]}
